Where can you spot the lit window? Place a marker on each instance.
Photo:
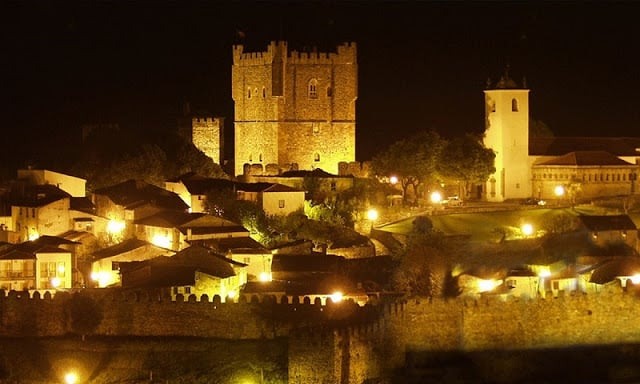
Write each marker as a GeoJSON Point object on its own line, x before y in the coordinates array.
{"type": "Point", "coordinates": [313, 89]}
{"type": "Point", "coordinates": [281, 203]}
{"type": "Point", "coordinates": [514, 105]}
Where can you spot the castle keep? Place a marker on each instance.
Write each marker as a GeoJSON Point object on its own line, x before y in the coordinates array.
{"type": "Point", "coordinates": [294, 109]}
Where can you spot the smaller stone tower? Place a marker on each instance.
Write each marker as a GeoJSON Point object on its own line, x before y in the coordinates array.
{"type": "Point", "coordinates": [507, 133]}
{"type": "Point", "coordinates": [205, 132]}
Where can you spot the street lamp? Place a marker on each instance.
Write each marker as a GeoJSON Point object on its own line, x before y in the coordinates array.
{"type": "Point", "coordinates": [436, 197]}
{"type": "Point", "coordinates": [71, 378]}
{"type": "Point", "coordinates": [527, 229]}
{"type": "Point", "coordinates": [372, 214]}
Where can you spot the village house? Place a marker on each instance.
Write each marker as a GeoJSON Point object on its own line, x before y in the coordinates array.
{"type": "Point", "coordinates": [105, 263]}
{"type": "Point", "coordinates": [177, 230]}
{"type": "Point", "coordinates": [39, 264]}
{"type": "Point", "coordinates": [193, 271]}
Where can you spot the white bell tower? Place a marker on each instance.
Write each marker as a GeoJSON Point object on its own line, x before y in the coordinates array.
{"type": "Point", "coordinates": [507, 133]}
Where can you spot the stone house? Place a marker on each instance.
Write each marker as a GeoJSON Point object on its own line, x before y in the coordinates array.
{"type": "Point", "coordinates": [40, 210]}
{"type": "Point", "coordinates": [177, 230]}
{"type": "Point", "coordinates": [274, 199]}
{"type": "Point", "coordinates": [247, 251]}
{"type": "Point", "coordinates": [193, 271]}
{"type": "Point", "coordinates": [131, 200]}
{"type": "Point", "coordinates": [74, 186]}
{"type": "Point", "coordinates": [610, 229]}
{"type": "Point", "coordinates": [38, 264]}
{"type": "Point", "coordinates": [105, 263]}
{"type": "Point", "coordinates": [193, 189]}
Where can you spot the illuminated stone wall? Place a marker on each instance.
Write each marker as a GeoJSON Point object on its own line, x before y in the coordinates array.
{"type": "Point", "coordinates": [207, 134]}
{"type": "Point", "coordinates": [293, 107]}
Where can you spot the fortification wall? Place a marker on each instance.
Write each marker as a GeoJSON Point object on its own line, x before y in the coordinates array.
{"type": "Point", "coordinates": [492, 323]}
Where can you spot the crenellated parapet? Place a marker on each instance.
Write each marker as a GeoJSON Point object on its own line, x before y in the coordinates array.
{"type": "Point", "coordinates": [345, 53]}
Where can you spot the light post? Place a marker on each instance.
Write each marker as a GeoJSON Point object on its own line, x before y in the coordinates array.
{"type": "Point", "coordinates": [559, 191]}
{"type": "Point", "coordinates": [372, 216]}
{"type": "Point", "coordinates": [71, 378]}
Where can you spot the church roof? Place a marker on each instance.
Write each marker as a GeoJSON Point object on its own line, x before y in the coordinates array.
{"type": "Point", "coordinates": [556, 146]}
{"type": "Point", "coordinates": [585, 158]}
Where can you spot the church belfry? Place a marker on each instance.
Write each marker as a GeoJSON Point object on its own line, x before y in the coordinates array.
{"type": "Point", "coordinates": [507, 133]}
{"type": "Point", "coordinates": [294, 110]}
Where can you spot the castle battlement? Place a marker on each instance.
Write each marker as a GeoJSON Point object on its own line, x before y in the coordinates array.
{"type": "Point", "coordinates": [346, 53]}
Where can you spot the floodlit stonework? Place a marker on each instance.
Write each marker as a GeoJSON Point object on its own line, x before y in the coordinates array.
{"type": "Point", "coordinates": [507, 133]}
{"type": "Point", "coordinates": [294, 109]}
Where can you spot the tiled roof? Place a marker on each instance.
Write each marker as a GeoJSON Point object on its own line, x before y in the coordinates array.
{"type": "Point", "coordinates": [82, 204]}
{"type": "Point", "coordinates": [305, 263]}
{"type": "Point", "coordinates": [168, 219]}
{"type": "Point", "coordinates": [238, 244]}
{"type": "Point", "coordinates": [610, 269]}
{"type": "Point", "coordinates": [314, 173]}
{"type": "Point", "coordinates": [134, 193]}
{"type": "Point", "coordinates": [39, 196]}
{"type": "Point", "coordinates": [204, 185]}
{"type": "Point", "coordinates": [557, 146]}
{"type": "Point", "coordinates": [124, 247]}
{"type": "Point", "coordinates": [585, 158]}
{"type": "Point", "coordinates": [608, 223]}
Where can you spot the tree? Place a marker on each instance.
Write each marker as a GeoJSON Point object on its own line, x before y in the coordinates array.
{"type": "Point", "coordinates": [414, 161]}
{"type": "Point", "coordinates": [84, 314]}
{"type": "Point", "coordinates": [467, 161]}
{"type": "Point", "coordinates": [191, 159]}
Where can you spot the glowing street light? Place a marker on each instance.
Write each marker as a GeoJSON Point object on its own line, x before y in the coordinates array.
{"type": "Point", "coordinates": [393, 180]}
{"type": "Point", "coordinates": [635, 279]}
{"type": "Point", "coordinates": [527, 229]}
{"type": "Point", "coordinates": [265, 277]}
{"type": "Point", "coordinates": [372, 214]}
{"type": "Point", "coordinates": [115, 227]}
{"type": "Point", "coordinates": [436, 197]}
{"type": "Point", "coordinates": [559, 191]}
{"type": "Point", "coordinates": [56, 282]}
{"type": "Point", "coordinates": [71, 378]}
{"type": "Point", "coordinates": [336, 297]}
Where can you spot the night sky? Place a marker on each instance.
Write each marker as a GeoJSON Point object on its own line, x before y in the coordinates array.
{"type": "Point", "coordinates": [422, 65]}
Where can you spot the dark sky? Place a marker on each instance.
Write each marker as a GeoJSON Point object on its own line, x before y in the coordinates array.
{"type": "Point", "coordinates": [421, 64]}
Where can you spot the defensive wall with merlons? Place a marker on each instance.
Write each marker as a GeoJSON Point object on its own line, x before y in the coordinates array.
{"type": "Point", "coordinates": [345, 343]}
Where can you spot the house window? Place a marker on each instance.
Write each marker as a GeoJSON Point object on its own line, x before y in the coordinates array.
{"type": "Point", "coordinates": [315, 127]}
{"type": "Point", "coordinates": [333, 185]}
{"type": "Point", "coordinates": [280, 203]}
{"type": "Point", "coordinates": [247, 260]}
{"type": "Point", "coordinates": [514, 105]}
{"type": "Point", "coordinates": [316, 157]}
{"type": "Point", "coordinates": [313, 89]}
{"type": "Point", "coordinates": [556, 285]}
{"type": "Point", "coordinates": [187, 290]}
{"type": "Point", "coordinates": [33, 212]}
{"type": "Point", "coordinates": [115, 266]}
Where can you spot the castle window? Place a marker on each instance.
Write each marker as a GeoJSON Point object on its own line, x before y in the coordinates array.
{"type": "Point", "coordinates": [255, 91]}
{"type": "Point", "coordinates": [329, 92]}
{"type": "Point", "coordinates": [514, 105]}
{"type": "Point", "coordinates": [264, 92]}
{"type": "Point", "coordinates": [249, 93]}
{"type": "Point", "coordinates": [316, 157]}
{"type": "Point", "coordinates": [315, 127]}
{"type": "Point", "coordinates": [250, 158]}
{"type": "Point", "coordinates": [313, 89]}
{"type": "Point", "coordinates": [260, 157]}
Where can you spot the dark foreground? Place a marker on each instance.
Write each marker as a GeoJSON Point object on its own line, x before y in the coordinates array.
{"type": "Point", "coordinates": [191, 360]}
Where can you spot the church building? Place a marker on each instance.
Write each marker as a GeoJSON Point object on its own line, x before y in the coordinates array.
{"type": "Point", "coordinates": [550, 167]}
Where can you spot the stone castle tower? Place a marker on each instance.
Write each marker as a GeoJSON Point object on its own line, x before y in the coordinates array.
{"type": "Point", "coordinates": [507, 133]}
{"type": "Point", "coordinates": [205, 131]}
{"type": "Point", "coordinates": [293, 109]}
